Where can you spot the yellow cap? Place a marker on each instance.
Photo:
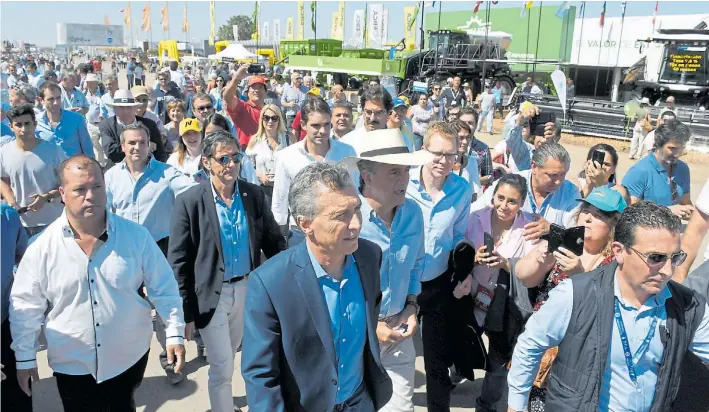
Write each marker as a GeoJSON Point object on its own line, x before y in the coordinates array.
{"type": "Point", "coordinates": [188, 125]}
{"type": "Point", "coordinates": [314, 91]}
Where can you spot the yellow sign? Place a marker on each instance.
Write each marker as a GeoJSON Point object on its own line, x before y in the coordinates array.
{"type": "Point", "coordinates": [335, 24]}
{"type": "Point", "coordinates": [340, 31]}
{"type": "Point", "coordinates": [409, 29]}
{"type": "Point", "coordinates": [289, 28]}
{"type": "Point", "coordinates": [212, 23]}
{"type": "Point", "coordinates": [301, 20]}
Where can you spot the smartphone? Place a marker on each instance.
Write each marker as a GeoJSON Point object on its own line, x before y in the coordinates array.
{"type": "Point", "coordinates": [571, 239]}
{"type": "Point", "coordinates": [536, 124]}
{"type": "Point", "coordinates": [403, 328]}
{"type": "Point", "coordinates": [489, 242]}
{"type": "Point", "coordinates": [598, 156]}
{"type": "Point", "coordinates": [256, 68]}
{"type": "Point", "coordinates": [23, 210]}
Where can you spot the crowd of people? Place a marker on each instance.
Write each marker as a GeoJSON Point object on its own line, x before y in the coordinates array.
{"type": "Point", "coordinates": [320, 232]}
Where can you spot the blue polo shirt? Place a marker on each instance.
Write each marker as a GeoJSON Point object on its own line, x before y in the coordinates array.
{"type": "Point", "coordinates": [70, 133]}
{"type": "Point", "coordinates": [648, 180]}
{"type": "Point", "coordinates": [234, 233]}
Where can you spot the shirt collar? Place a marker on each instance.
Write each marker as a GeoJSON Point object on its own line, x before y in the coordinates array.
{"type": "Point", "coordinates": [67, 231]}
{"type": "Point", "coordinates": [218, 198]}
{"type": "Point", "coordinates": [150, 165]}
{"type": "Point", "coordinates": [319, 271]}
{"type": "Point", "coordinates": [655, 301]}
{"type": "Point", "coordinates": [656, 163]}
{"type": "Point", "coordinates": [371, 214]}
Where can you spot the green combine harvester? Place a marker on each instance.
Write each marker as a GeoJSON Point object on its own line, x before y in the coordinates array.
{"type": "Point", "coordinates": [473, 57]}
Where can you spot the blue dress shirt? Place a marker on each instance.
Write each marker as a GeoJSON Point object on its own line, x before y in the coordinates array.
{"type": "Point", "coordinates": [74, 99]}
{"type": "Point", "coordinates": [234, 233]}
{"type": "Point", "coordinates": [14, 242]}
{"type": "Point", "coordinates": [5, 129]}
{"type": "Point", "coordinates": [147, 201]}
{"type": "Point", "coordinates": [403, 253]}
{"type": "Point", "coordinates": [348, 323]}
{"type": "Point", "coordinates": [547, 327]}
{"type": "Point", "coordinates": [70, 134]}
{"type": "Point", "coordinates": [647, 180]}
{"type": "Point", "coordinates": [106, 110]}
{"type": "Point", "coordinates": [444, 221]}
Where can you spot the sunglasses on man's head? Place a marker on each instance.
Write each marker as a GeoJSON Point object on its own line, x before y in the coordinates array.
{"type": "Point", "coordinates": [224, 160]}
{"type": "Point", "coordinates": [655, 260]}
{"type": "Point", "coordinates": [267, 118]}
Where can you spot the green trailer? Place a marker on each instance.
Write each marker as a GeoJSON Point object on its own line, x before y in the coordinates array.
{"type": "Point", "coordinates": [320, 47]}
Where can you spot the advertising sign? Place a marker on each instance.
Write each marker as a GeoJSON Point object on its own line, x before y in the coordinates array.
{"type": "Point", "coordinates": [72, 34]}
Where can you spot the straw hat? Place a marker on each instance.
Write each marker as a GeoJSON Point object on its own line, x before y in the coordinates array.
{"type": "Point", "coordinates": [387, 146]}
{"type": "Point", "coordinates": [123, 98]}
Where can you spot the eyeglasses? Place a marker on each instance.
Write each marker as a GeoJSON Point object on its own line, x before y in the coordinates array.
{"type": "Point", "coordinates": [269, 119]}
{"type": "Point", "coordinates": [224, 160]}
{"type": "Point", "coordinates": [655, 260]}
{"type": "Point", "coordinates": [673, 189]}
{"type": "Point", "coordinates": [370, 113]}
{"type": "Point", "coordinates": [204, 108]}
{"type": "Point", "coordinates": [436, 88]}
{"type": "Point", "coordinates": [438, 156]}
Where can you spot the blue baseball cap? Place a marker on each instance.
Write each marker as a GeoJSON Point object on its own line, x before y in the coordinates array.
{"type": "Point", "coordinates": [606, 199]}
{"type": "Point", "coordinates": [398, 102]}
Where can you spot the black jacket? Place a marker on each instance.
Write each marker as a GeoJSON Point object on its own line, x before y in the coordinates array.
{"type": "Point", "coordinates": [111, 139]}
{"type": "Point", "coordinates": [195, 247]}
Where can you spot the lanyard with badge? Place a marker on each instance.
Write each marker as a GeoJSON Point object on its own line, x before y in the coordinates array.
{"type": "Point", "coordinates": [626, 344]}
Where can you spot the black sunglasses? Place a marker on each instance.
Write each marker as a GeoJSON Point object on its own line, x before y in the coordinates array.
{"type": "Point", "coordinates": [224, 160]}
{"type": "Point", "coordinates": [204, 108]}
{"type": "Point", "coordinates": [267, 118]}
{"type": "Point", "coordinates": [654, 260]}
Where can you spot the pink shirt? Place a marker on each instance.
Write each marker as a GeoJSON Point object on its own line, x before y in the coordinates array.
{"type": "Point", "coordinates": [511, 245]}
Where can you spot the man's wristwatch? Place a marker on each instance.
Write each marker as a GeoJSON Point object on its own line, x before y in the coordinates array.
{"type": "Point", "coordinates": [413, 303]}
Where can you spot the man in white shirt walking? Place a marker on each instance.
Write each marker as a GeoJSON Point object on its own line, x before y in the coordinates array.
{"type": "Point", "coordinates": [317, 146]}
{"type": "Point", "coordinates": [80, 279]}
{"type": "Point", "coordinates": [487, 108]}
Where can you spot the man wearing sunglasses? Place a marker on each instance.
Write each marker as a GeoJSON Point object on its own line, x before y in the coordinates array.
{"type": "Point", "coordinates": [218, 231]}
{"type": "Point", "coordinates": [623, 330]}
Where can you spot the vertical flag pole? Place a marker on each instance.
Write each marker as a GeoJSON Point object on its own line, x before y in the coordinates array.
{"type": "Point", "coordinates": [536, 47]}
{"type": "Point", "coordinates": [578, 56]}
{"type": "Point", "coordinates": [422, 33]}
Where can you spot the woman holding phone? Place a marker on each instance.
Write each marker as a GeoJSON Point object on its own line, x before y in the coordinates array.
{"type": "Point", "coordinates": [599, 171]}
{"type": "Point", "coordinates": [497, 234]}
{"type": "Point", "coordinates": [544, 269]}
{"type": "Point", "coordinates": [269, 138]}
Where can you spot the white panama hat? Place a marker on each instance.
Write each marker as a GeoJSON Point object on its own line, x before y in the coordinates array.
{"type": "Point", "coordinates": [387, 146]}
{"type": "Point", "coordinates": [123, 98]}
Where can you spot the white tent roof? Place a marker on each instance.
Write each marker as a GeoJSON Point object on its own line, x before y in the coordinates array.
{"type": "Point", "coordinates": [233, 51]}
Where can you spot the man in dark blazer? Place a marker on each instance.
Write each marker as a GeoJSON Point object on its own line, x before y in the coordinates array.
{"type": "Point", "coordinates": [124, 105]}
{"type": "Point", "coordinates": [310, 340]}
{"type": "Point", "coordinates": [218, 231]}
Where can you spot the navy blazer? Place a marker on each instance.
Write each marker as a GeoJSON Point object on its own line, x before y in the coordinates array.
{"type": "Point", "coordinates": [195, 246]}
{"type": "Point", "coordinates": [288, 357]}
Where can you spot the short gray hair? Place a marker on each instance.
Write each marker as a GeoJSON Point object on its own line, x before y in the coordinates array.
{"type": "Point", "coordinates": [310, 182]}
{"type": "Point", "coordinates": [216, 138]}
{"type": "Point", "coordinates": [369, 166]}
{"type": "Point", "coordinates": [109, 78]}
{"type": "Point", "coordinates": [26, 91]}
{"type": "Point", "coordinates": [550, 150]}
{"type": "Point", "coordinates": [137, 126]}
{"type": "Point", "coordinates": [672, 130]}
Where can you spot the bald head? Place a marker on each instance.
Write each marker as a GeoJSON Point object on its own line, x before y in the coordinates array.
{"type": "Point", "coordinates": [78, 163]}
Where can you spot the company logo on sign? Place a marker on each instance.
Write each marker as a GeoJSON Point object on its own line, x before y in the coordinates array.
{"type": "Point", "coordinates": [475, 25]}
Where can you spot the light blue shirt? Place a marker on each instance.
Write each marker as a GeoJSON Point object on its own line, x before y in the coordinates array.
{"type": "Point", "coordinates": [520, 150]}
{"type": "Point", "coordinates": [106, 110]}
{"type": "Point", "coordinates": [648, 180]}
{"type": "Point", "coordinates": [444, 221]}
{"type": "Point", "coordinates": [147, 201]}
{"type": "Point", "coordinates": [94, 113]}
{"type": "Point", "coordinates": [70, 134]}
{"type": "Point", "coordinates": [348, 323]}
{"type": "Point", "coordinates": [403, 253]}
{"type": "Point", "coordinates": [14, 243]}
{"type": "Point", "coordinates": [293, 94]}
{"type": "Point", "coordinates": [234, 233]}
{"type": "Point", "coordinates": [547, 327]}
{"type": "Point", "coordinates": [35, 79]}
{"type": "Point", "coordinates": [558, 207]}
{"type": "Point", "coordinates": [74, 99]}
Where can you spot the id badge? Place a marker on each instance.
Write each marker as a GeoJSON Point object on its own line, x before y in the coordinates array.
{"type": "Point", "coordinates": [483, 298]}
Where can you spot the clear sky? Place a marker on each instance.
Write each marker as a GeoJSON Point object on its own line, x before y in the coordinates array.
{"type": "Point", "coordinates": [16, 24]}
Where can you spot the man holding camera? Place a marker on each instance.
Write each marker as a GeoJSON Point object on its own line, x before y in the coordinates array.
{"type": "Point", "coordinates": [245, 114]}
{"type": "Point", "coordinates": [542, 128]}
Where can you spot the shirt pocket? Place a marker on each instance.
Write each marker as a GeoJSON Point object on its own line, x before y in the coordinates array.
{"type": "Point", "coordinates": [120, 272]}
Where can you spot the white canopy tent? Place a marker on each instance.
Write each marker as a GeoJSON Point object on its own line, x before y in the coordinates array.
{"type": "Point", "coordinates": [234, 51]}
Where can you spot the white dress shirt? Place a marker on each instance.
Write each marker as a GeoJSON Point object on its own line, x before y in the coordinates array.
{"type": "Point", "coordinates": [95, 322]}
{"type": "Point", "coordinates": [292, 160]}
